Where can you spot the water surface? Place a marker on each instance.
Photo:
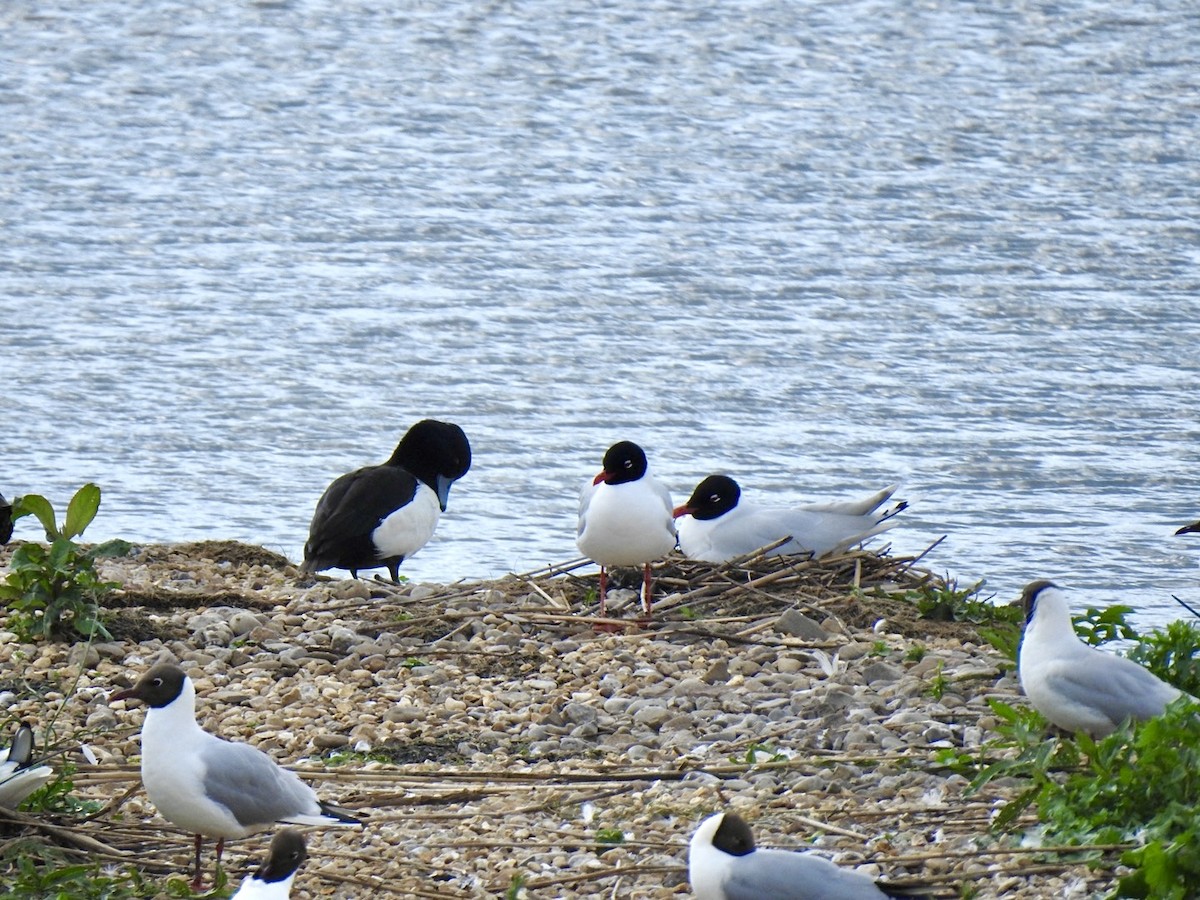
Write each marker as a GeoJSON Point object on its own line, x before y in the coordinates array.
{"type": "Point", "coordinates": [818, 246]}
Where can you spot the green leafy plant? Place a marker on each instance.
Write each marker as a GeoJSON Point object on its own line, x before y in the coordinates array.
{"type": "Point", "coordinates": [56, 796]}
{"type": "Point", "coordinates": [54, 592]}
{"type": "Point", "coordinates": [937, 682]}
{"type": "Point", "coordinates": [516, 888]}
{"type": "Point", "coordinates": [759, 753]}
{"type": "Point", "coordinates": [998, 624]}
{"type": "Point", "coordinates": [611, 836]}
{"type": "Point", "coordinates": [1140, 785]}
{"type": "Point", "coordinates": [32, 876]}
{"type": "Point", "coordinates": [947, 602]}
{"type": "Point", "coordinates": [1099, 626]}
{"type": "Point", "coordinates": [1173, 655]}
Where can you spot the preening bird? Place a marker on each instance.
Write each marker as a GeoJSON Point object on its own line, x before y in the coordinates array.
{"type": "Point", "coordinates": [625, 518]}
{"type": "Point", "coordinates": [1075, 686]}
{"type": "Point", "coordinates": [716, 524]}
{"type": "Point", "coordinates": [206, 784]}
{"type": "Point", "coordinates": [379, 516]}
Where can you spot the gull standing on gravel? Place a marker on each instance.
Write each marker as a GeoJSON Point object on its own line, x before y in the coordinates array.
{"type": "Point", "coordinates": [380, 515]}
{"type": "Point", "coordinates": [724, 864]}
{"type": "Point", "coordinates": [19, 777]}
{"type": "Point", "coordinates": [716, 525]}
{"type": "Point", "coordinates": [1077, 687]}
{"type": "Point", "coordinates": [625, 518]}
{"type": "Point", "coordinates": [206, 784]}
{"type": "Point", "coordinates": [273, 880]}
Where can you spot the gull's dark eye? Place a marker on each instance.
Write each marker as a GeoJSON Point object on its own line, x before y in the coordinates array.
{"type": "Point", "coordinates": [715, 498]}
{"type": "Point", "coordinates": [628, 463]}
{"type": "Point", "coordinates": [157, 682]}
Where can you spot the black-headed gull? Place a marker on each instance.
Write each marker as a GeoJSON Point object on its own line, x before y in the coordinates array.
{"type": "Point", "coordinates": [1075, 686]}
{"type": "Point", "coordinates": [19, 776]}
{"type": "Point", "coordinates": [273, 880]}
{"type": "Point", "coordinates": [625, 517]}
{"type": "Point", "coordinates": [381, 515]}
{"type": "Point", "coordinates": [716, 525]}
{"type": "Point", "coordinates": [208, 785]}
{"type": "Point", "coordinates": [724, 864]}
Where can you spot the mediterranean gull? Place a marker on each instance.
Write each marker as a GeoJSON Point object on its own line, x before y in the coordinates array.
{"type": "Point", "coordinates": [208, 785]}
{"type": "Point", "coordinates": [381, 515]}
{"type": "Point", "coordinates": [716, 525]}
{"type": "Point", "coordinates": [625, 517]}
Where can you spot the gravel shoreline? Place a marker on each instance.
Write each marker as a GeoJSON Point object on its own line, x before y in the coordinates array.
{"type": "Point", "coordinates": [489, 734]}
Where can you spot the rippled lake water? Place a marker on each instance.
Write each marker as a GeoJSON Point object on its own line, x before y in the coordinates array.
{"type": "Point", "coordinates": [819, 246]}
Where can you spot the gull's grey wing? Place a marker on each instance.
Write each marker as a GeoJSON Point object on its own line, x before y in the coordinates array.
{"type": "Point", "coordinates": [855, 507]}
{"type": "Point", "coordinates": [1115, 686]}
{"type": "Point", "coordinates": [787, 875]}
{"type": "Point", "coordinates": [254, 789]}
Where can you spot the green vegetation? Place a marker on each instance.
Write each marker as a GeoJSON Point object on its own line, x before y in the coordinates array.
{"type": "Point", "coordinates": [947, 602]}
{"type": "Point", "coordinates": [998, 624]}
{"type": "Point", "coordinates": [610, 836]}
{"type": "Point", "coordinates": [1138, 786]}
{"type": "Point", "coordinates": [56, 796]}
{"type": "Point", "coordinates": [54, 592]}
{"type": "Point", "coordinates": [54, 880]}
{"type": "Point", "coordinates": [1099, 626]}
{"type": "Point", "coordinates": [938, 682]}
{"type": "Point", "coordinates": [1172, 655]}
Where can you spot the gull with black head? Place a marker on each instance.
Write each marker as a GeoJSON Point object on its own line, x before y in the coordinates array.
{"type": "Point", "coordinates": [716, 524]}
{"type": "Point", "coordinates": [625, 518]}
{"type": "Point", "coordinates": [725, 864]}
{"type": "Point", "coordinates": [273, 879]}
{"type": "Point", "coordinates": [206, 784]}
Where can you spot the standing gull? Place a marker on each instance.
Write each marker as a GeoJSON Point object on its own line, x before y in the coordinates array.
{"type": "Point", "coordinates": [716, 525]}
{"type": "Point", "coordinates": [380, 515]}
{"type": "Point", "coordinates": [273, 880]}
{"type": "Point", "coordinates": [1077, 687]}
{"type": "Point", "coordinates": [625, 517]}
{"type": "Point", "coordinates": [208, 785]}
{"type": "Point", "coordinates": [19, 777]}
{"type": "Point", "coordinates": [724, 864]}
